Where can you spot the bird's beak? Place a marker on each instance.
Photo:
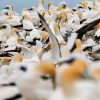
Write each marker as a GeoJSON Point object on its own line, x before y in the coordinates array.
{"type": "Point", "coordinates": [30, 9]}
{"type": "Point", "coordinates": [3, 27]}
{"type": "Point", "coordinates": [43, 2]}
{"type": "Point", "coordinates": [63, 6]}
{"type": "Point", "coordinates": [80, 7]}
{"type": "Point", "coordinates": [18, 34]}
{"type": "Point", "coordinates": [84, 76]}
{"type": "Point", "coordinates": [22, 20]}
{"type": "Point", "coordinates": [48, 48]}
{"type": "Point", "coordinates": [23, 40]}
{"type": "Point", "coordinates": [53, 81]}
{"type": "Point", "coordinates": [58, 20]}
{"type": "Point", "coordinates": [74, 10]}
{"type": "Point", "coordinates": [6, 8]}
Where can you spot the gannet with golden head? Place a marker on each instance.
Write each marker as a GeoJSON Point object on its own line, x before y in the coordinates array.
{"type": "Point", "coordinates": [25, 12]}
{"type": "Point", "coordinates": [4, 60]}
{"type": "Point", "coordinates": [40, 8]}
{"type": "Point", "coordinates": [7, 30]}
{"type": "Point", "coordinates": [14, 34]}
{"type": "Point", "coordinates": [66, 79]}
{"type": "Point", "coordinates": [16, 59]}
{"type": "Point", "coordinates": [63, 4]}
{"type": "Point", "coordinates": [34, 18]}
{"type": "Point", "coordinates": [57, 32]}
{"type": "Point", "coordinates": [52, 22]}
{"type": "Point", "coordinates": [46, 15]}
{"type": "Point", "coordinates": [13, 20]}
{"type": "Point", "coordinates": [45, 37]}
{"type": "Point", "coordinates": [6, 10]}
{"type": "Point", "coordinates": [27, 24]}
{"type": "Point", "coordinates": [52, 8]}
{"type": "Point", "coordinates": [71, 84]}
{"type": "Point", "coordinates": [42, 75]}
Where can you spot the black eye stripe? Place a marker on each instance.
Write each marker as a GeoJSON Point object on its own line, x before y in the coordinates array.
{"type": "Point", "coordinates": [89, 8]}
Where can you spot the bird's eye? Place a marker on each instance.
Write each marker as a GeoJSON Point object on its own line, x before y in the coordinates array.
{"type": "Point", "coordinates": [23, 68]}
{"type": "Point", "coordinates": [44, 77]}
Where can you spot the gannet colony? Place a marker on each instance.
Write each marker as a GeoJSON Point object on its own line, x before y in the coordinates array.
{"type": "Point", "coordinates": [50, 53]}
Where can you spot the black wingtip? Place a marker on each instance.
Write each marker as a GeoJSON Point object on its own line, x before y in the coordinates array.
{"type": "Point", "coordinates": [87, 28]}
{"type": "Point", "coordinates": [6, 54]}
{"type": "Point", "coordinates": [40, 16]}
{"type": "Point", "coordinates": [42, 19]}
{"type": "Point", "coordinates": [82, 31]}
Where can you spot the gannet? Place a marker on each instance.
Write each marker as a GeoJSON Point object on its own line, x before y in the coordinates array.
{"type": "Point", "coordinates": [14, 21]}
{"type": "Point", "coordinates": [34, 18]}
{"type": "Point", "coordinates": [40, 6]}
{"type": "Point", "coordinates": [52, 8]}
{"type": "Point", "coordinates": [39, 75]}
{"type": "Point", "coordinates": [25, 12]}
{"type": "Point", "coordinates": [27, 24]}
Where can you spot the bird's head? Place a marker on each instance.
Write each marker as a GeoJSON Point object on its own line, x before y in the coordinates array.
{"type": "Point", "coordinates": [14, 31]}
{"type": "Point", "coordinates": [5, 59]}
{"type": "Point", "coordinates": [24, 9]}
{"type": "Point", "coordinates": [44, 69]}
{"type": "Point", "coordinates": [62, 18]}
{"type": "Point", "coordinates": [59, 8]}
{"type": "Point", "coordinates": [33, 50]}
{"type": "Point", "coordinates": [64, 12]}
{"type": "Point", "coordinates": [85, 4]}
{"type": "Point", "coordinates": [72, 73]}
{"type": "Point", "coordinates": [81, 3]}
{"type": "Point", "coordinates": [44, 35]}
{"type": "Point", "coordinates": [71, 11]}
{"type": "Point", "coordinates": [41, 1]}
{"type": "Point", "coordinates": [78, 46]}
{"type": "Point", "coordinates": [45, 12]}
{"type": "Point", "coordinates": [11, 5]}
{"type": "Point", "coordinates": [11, 13]}
{"type": "Point", "coordinates": [50, 4]}
{"type": "Point", "coordinates": [26, 17]}
{"type": "Point", "coordinates": [17, 58]}
{"type": "Point", "coordinates": [96, 73]}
